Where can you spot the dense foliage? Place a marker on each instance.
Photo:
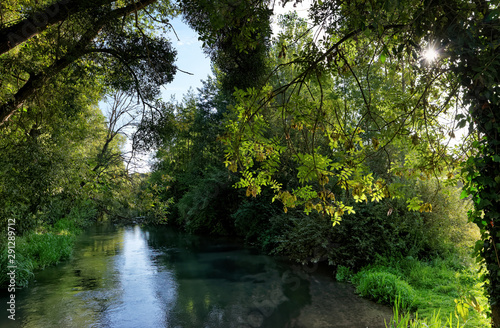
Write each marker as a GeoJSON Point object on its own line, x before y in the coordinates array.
{"type": "Point", "coordinates": [344, 121]}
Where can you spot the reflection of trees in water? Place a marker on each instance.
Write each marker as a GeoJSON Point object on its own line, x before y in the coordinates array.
{"type": "Point", "coordinates": [75, 292]}
{"type": "Point", "coordinates": [220, 285]}
{"type": "Point", "coordinates": [162, 238]}
{"type": "Point", "coordinates": [93, 264]}
{"type": "Point", "coordinates": [196, 283]}
{"type": "Point", "coordinates": [296, 295]}
{"type": "Point", "coordinates": [224, 285]}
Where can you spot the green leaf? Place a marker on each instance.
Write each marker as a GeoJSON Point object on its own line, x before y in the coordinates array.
{"type": "Point", "coordinates": [380, 28]}
{"type": "Point", "coordinates": [464, 194]}
{"type": "Point", "coordinates": [462, 309]}
{"type": "Point", "coordinates": [461, 124]}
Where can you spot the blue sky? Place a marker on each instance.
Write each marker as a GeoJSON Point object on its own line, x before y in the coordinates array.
{"type": "Point", "coordinates": [190, 58]}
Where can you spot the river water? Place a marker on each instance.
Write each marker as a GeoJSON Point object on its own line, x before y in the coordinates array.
{"type": "Point", "coordinates": [158, 277]}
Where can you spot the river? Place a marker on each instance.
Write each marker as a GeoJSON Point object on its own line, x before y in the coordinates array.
{"type": "Point", "coordinates": [138, 277]}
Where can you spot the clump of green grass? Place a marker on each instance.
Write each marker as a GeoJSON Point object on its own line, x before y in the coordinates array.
{"type": "Point", "coordinates": [46, 249]}
{"type": "Point", "coordinates": [343, 274]}
{"type": "Point", "coordinates": [384, 287]}
{"type": "Point", "coordinates": [38, 249]}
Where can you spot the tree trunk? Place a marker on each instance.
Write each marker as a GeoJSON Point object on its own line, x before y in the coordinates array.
{"type": "Point", "coordinates": [479, 69]}
{"type": "Point", "coordinates": [484, 172]}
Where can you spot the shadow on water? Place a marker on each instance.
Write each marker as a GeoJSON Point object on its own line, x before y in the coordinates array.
{"type": "Point", "coordinates": [159, 277]}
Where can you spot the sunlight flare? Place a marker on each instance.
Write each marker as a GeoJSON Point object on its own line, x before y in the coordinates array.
{"type": "Point", "coordinates": [430, 54]}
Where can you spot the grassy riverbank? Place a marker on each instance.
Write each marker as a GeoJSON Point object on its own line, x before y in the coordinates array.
{"type": "Point", "coordinates": [429, 290]}
{"type": "Point", "coordinates": [38, 249]}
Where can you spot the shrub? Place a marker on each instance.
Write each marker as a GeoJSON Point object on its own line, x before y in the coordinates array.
{"type": "Point", "coordinates": [83, 214]}
{"type": "Point", "coordinates": [370, 233]}
{"type": "Point", "coordinates": [252, 221]}
{"type": "Point", "coordinates": [447, 226]}
{"type": "Point", "coordinates": [343, 274]}
{"type": "Point", "coordinates": [304, 238]}
{"type": "Point", "coordinates": [207, 206]}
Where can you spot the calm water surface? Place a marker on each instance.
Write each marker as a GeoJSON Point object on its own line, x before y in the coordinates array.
{"type": "Point", "coordinates": [158, 277]}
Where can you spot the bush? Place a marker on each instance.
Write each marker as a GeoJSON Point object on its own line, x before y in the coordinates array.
{"type": "Point", "coordinates": [252, 221]}
{"type": "Point", "coordinates": [207, 206]}
{"type": "Point", "coordinates": [447, 227]}
{"type": "Point", "coordinates": [303, 238]}
{"type": "Point", "coordinates": [83, 214]}
{"type": "Point", "coordinates": [343, 274]}
{"type": "Point", "coordinates": [370, 233]}
{"type": "Point", "coordinates": [384, 287]}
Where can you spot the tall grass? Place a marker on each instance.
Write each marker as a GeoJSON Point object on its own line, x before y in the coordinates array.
{"type": "Point", "coordinates": [404, 319]}
{"type": "Point", "coordinates": [384, 287]}
{"type": "Point", "coordinates": [38, 249]}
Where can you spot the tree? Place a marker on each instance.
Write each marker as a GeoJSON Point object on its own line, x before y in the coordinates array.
{"type": "Point", "coordinates": [467, 36]}
{"type": "Point", "coordinates": [105, 38]}
{"type": "Point", "coordinates": [331, 120]}
{"type": "Point", "coordinates": [49, 152]}
{"type": "Point", "coordinates": [188, 167]}
{"type": "Point", "coordinates": [36, 22]}
{"type": "Point", "coordinates": [235, 35]}
{"type": "Point", "coordinates": [123, 113]}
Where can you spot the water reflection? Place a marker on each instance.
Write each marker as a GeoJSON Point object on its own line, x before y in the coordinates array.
{"type": "Point", "coordinates": [223, 285]}
{"type": "Point", "coordinates": [157, 277]}
{"type": "Point", "coordinates": [144, 290]}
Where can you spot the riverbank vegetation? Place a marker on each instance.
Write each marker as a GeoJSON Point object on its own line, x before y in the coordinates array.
{"type": "Point", "coordinates": [336, 142]}
{"type": "Point", "coordinates": [417, 243]}
{"type": "Point", "coordinates": [438, 288]}
{"type": "Point", "coordinates": [36, 250]}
